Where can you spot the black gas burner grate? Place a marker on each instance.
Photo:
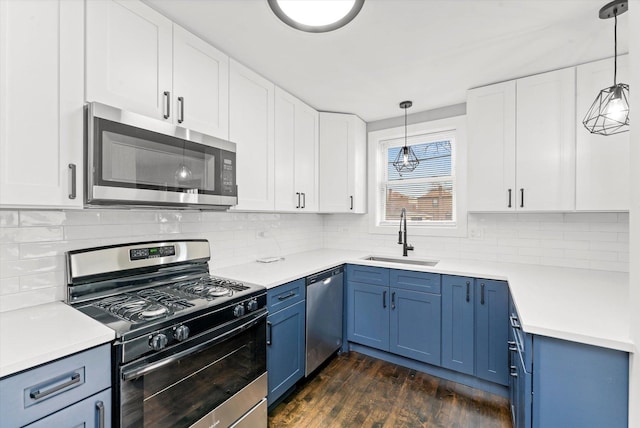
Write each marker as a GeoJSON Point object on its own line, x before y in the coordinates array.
{"type": "Point", "coordinates": [209, 287]}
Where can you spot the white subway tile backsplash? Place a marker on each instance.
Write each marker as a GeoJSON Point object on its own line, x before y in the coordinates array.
{"type": "Point", "coordinates": [33, 243]}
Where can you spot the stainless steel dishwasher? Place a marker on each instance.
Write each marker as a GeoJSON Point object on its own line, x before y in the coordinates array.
{"type": "Point", "coordinates": [324, 316]}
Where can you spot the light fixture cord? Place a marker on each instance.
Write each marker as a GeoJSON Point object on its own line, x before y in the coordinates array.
{"type": "Point", "coordinates": [405, 127]}
{"type": "Point", "coordinates": [615, 46]}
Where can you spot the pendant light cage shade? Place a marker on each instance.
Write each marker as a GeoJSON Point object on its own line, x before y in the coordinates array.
{"type": "Point", "coordinates": [609, 113]}
{"type": "Point", "coordinates": [406, 160]}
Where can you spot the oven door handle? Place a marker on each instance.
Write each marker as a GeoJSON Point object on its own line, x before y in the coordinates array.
{"type": "Point", "coordinates": [135, 373]}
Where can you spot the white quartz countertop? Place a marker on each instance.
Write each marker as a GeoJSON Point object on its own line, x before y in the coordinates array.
{"type": "Point", "coordinates": [580, 305]}
{"type": "Point", "coordinates": [39, 334]}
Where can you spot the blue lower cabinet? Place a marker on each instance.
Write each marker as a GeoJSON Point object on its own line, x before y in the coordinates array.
{"type": "Point", "coordinates": [458, 323]}
{"type": "Point", "coordinates": [492, 331]}
{"type": "Point", "coordinates": [368, 315]}
{"type": "Point", "coordinates": [285, 349]}
{"type": "Point", "coordinates": [415, 325]}
{"type": "Point", "coordinates": [578, 385]}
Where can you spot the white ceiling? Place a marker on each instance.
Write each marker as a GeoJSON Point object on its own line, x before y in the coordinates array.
{"type": "Point", "coordinates": [428, 51]}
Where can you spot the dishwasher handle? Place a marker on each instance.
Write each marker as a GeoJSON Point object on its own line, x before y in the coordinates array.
{"type": "Point", "coordinates": [319, 277]}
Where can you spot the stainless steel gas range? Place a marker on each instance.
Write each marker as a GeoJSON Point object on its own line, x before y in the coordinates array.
{"type": "Point", "coordinates": [190, 349]}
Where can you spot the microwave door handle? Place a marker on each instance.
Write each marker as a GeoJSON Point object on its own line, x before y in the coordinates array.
{"type": "Point", "coordinates": [135, 373]}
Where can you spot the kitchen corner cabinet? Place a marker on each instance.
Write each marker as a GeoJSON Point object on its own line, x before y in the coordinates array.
{"type": "Point", "coordinates": [251, 127]}
{"type": "Point", "coordinates": [570, 384]}
{"type": "Point", "coordinates": [522, 144]}
{"type": "Point", "coordinates": [139, 61]}
{"type": "Point", "coordinates": [296, 154]}
{"type": "Point", "coordinates": [41, 103]}
{"type": "Point", "coordinates": [602, 162]}
{"type": "Point", "coordinates": [343, 157]}
{"type": "Point", "coordinates": [285, 337]}
{"type": "Point", "coordinates": [395, 311]}
{"type": "Point", "coordinates": [475, 327]}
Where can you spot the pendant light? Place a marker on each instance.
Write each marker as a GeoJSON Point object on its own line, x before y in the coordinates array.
{"type": "Point", "coordinates": [406, 161]}
{"type": "Point", "coordinates": [609, 113]}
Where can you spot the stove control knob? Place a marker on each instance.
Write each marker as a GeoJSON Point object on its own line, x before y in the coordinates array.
{"type": "Point", "coordinates": [181, 333]}
{"type": "Point", "coordinates": [158, 342]}
{"type": "Point", "coordinates": [238, 311]}
{"type": "Point", "coordinates": [252, 305]}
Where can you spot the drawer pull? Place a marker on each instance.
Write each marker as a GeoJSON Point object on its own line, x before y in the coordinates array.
{"type": "Point", "coordinates": [100, 409]}
{"type": "Point", "coordinates": [468, 286]}
{"type": "Point", "coordinates": [482, 294]}
{"type": "Point", "coordinates": [36, 395]}
{"type": "Point", "coordinates": [393, 300]}
{"type": "Point", "coordinates": [514, 322]}
{"type": "Point", "coordinates": [287, 296]}
{"type": "Point", "coordinates": [384, 299]}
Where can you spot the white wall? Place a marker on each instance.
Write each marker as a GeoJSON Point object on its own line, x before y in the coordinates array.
{"type": "Point", "coordinates": [32, 243]}
{"type": "Point", "coordinates": [634, 297]}
{"type": "Point", "coordinates": [582, 240]}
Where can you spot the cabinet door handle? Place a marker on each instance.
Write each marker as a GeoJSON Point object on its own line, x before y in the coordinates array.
{"type": "Point", "coordinates": [36, 395]}
{"type": "Point", "coordinates": [304, 200]}
{"type": "Point", "coordinates": [468, 290]}
{"type": "Point", "coordinates": [521, 198]}
{"type": "Point", "coordinates": [393, 300]}
{"type": "Point", "coordinates": [513, 371]}
{"type": "Point", "coordinates": [181, 111]}
{"type": "Point", "coordinates": [298, 195]}
{"type": "Point", "coordinates": [269, 332]}
{"type": "Point", "coordinates": [482, 293]}
{"type": "Point", "coordinates": [167, 104]}
{"type": "Point", "coordinates": [509, 201]}
{"type": "Point", "coordinates": [100, 410]}
{"type": "Point", "coordinates": [351, 207]}
{"type": "Point", "coordinates": [72, 181]}
{"type": "Point", "coordinates": [384, 299]}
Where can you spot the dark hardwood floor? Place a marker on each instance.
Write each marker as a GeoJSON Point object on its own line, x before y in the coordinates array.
{"type": "Point", "coordinates": [355, 390]}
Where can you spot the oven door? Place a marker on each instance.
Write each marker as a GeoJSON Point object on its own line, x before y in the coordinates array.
{"type": "Point", "coordinates": [136, 160]}
{"type": "Point", "coordinates": [211, 379]}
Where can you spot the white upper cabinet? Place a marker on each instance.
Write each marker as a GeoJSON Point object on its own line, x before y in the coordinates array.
{"type": "Point", "coordinates": [41, 103]}
{"type": "Point", "coordinates": [129, 57]}
{"type": "Point", "coordinates": [491, 121]}
{"type": "Point", "coordinates": [296, 154]}
{"type": "Point", "coordinates": [200, 84]}
{"type": "Point", "coordinates": [139, 61]}
{"type": "Point", "coordinates": [602, 162]}
{"type": "Point", "coordinates": [522, 144]}
{"type": "Point", "coordinates": [545, 136]}
{"type": "Point", "coordinates": [251, 121]}
{"type": "Point", "coordinates": [343, 158]}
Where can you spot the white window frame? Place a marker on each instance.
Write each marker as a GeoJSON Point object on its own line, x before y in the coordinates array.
{"type": "Point", "coordinates": [378, 141]}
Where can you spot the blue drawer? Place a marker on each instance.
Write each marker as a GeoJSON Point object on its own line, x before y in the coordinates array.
{"type": "Point", "coordinates": [425, 282]}
{"type": "Point", "coordinates": [44, 390]}
{"type": "Point", "coordinates": [285, 295]}
{"type": "Point", "coordinates": [368, 275]}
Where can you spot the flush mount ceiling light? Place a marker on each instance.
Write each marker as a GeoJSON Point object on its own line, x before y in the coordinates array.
{"type": "Point", "coordinates": [609, 113]}
{"type": "Point", "coordinates": [316, 16]}
{"type": "Point", "coordinates": [406, 161]}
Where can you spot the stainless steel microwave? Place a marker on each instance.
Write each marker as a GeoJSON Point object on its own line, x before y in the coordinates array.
{"type": "Point", "coordinates": [134, 160]}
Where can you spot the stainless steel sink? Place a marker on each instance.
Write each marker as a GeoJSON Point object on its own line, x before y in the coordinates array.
{"type": "Point", "coordinates": [403, 261]}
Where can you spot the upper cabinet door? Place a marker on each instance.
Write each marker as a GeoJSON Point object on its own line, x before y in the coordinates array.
{"type": "Point", "coordinates": [545, 153]}
{"type": "Point", "coordinates": [296, 153]}
{"type": "Point", "coordinates": [491, 116]}
{"type": "Point", "coordinates": [251, 119]}
{"type": "Point", "coordinates": [41, 103]}
{"type": "Point", "coordinates": [129, 57]}
{"type": "Point", "coordinates": [602, 162]}
{"type": "Point", "coordinates": [200, 85]}
{"type": "Point", "coordinates": [343, 140]}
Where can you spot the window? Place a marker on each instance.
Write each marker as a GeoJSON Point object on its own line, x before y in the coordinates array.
{"type": "Point", "coordinates": [434, 194]}
{"type": "Point", "coordinates": [428, 192]}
